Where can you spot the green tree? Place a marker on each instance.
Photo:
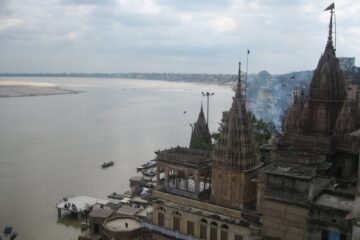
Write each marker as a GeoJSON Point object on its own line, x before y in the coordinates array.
{"type": "Point", "coordinates": [263, 130]}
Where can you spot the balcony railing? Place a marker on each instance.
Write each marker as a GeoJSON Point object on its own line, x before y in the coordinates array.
{"type": "Point", "coordinates": [167, 232]}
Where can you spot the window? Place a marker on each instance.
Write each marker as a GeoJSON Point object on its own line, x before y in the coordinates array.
{"type": "Point", "coordinates": [238, 237]}
{"type": "Point", "coordinates": [160, 219]}
{"type": "Point", "coordinates": [224, 235]}
{"type": "Point", "coordinates": [176, 224]}
{"type": "Point", "coordinates": [203, 231]}
{"type": "Point", "coordinates": [190, 228]}
{"type": "Point", "coordinates": [96, 228]}
{"type": "Point", "coordinates": [213, 233]}
{"type": "Point", "coordinates": [203, 221]}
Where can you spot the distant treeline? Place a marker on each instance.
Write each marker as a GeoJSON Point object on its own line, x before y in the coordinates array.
{"type": "Point", "coordinates": [190, 77]}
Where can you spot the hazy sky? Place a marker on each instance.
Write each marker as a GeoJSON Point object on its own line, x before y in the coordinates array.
{"type": "Point", "coordinates": [171, 35]}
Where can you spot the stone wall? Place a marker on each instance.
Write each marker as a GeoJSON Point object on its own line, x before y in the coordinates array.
{"type": "Point", "coordinates": [284, 221]}
{"type": "Point", "coordinates": [233, 188]}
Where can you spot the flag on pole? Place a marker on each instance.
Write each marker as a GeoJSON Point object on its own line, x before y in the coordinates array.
{"type": "Point", "coordinates": [248, 51]}
{"type": "Point", "coordinates": [331, 7]}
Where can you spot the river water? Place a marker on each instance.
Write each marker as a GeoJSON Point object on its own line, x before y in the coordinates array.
{"type": "Point", "coordinates": [53, 146]}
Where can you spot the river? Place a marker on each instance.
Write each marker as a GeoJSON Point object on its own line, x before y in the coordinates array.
{"type": "Point", "coordinates": [53, 146]}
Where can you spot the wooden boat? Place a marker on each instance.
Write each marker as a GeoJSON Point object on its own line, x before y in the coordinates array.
{"type": "Point", "coordinates": [107, 164]}
{"type": "Point", "coordinates": [149, 164]}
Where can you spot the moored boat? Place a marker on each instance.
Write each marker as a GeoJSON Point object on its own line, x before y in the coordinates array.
{"type": "Point", "coordinates": [149, 164]}
{"type": "Point", "coordinates": [107, 164]}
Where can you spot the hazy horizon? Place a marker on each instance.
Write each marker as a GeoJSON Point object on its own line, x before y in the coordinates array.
{"type": "Point", "coordinates": [110, 73]}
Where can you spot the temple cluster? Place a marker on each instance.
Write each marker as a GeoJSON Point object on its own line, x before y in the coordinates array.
{"type": "Point", "coordinates": [304, 185]}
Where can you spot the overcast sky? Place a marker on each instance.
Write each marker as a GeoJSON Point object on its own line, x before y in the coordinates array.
{"type": "Point", "coordinates": [188, 36]}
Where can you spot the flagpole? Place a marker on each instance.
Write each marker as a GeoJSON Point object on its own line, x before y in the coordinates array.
{"type": "Point", "coordinates": [246, 76]}
{"type": "Point", "coordinates": [335, 24]}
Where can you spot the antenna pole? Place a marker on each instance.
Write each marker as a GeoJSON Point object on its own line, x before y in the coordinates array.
{"type": "Point", "coordinates": [335, 26]}
{"type": "Point", "coordinates": [207, 111]}
{"type": "Point", "coordinates": [246, 76]}
{"type": "Point", "coordinates": [207, 94]}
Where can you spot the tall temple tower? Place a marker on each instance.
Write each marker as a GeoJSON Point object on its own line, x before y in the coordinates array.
{"type": "Point", "coordinates": [235, 160]}
{"type": "Point", "coordinates": [200, 135]}
{"type": "Point", "coordinates": [327, 93]}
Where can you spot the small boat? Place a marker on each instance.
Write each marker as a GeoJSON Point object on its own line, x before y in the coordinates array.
{"type": "Point", "coordinates": [107, 164]}
{"type": "Point", "coordinates": [147, 165]}
{"type": "Point", "coordinates": [7, 230]}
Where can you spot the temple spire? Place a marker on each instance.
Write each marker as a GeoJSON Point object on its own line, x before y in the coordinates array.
{"type": "Point", "coordinates": [234, 159]}
{"type": "Point", "coordinates": [200, 135]}
{"type": "Point", "coordinates": [327, 90]}
{"type": "Point", "coordinates": [238, 87]}
{"type": "Point", "coordinates": [330, 40]}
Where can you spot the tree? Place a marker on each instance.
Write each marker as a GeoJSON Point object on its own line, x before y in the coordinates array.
{"type": "Point", "coordinates": [263, 130]}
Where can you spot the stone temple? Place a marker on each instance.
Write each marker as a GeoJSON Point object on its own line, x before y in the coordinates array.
{"type": "Point", "coordinates": [309, 185]}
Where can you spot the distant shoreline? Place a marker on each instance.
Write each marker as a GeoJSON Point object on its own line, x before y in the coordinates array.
{"type": "Point", "coordinates": [32, 89]}
{"type": "Point", "coordinates": [177, 77]}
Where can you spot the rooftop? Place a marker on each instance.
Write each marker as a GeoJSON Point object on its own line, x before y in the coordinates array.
{"type": "Point", "coordinates": [144, 212]}
{"type": "Point", "coordinates": [292, 171]}
{"type": "Point", "coordinates": [335, 201]}
{"type": "Point", "coordinates": [127, 210]}
{"type": "Point", "coordinates": [100, 211]}
{"type": "Point", "coordinates": [184, 156]}
{"type": "Point", "coordinates": [81, 203]}
{"type": "Point", "coordinates": [122, 224]}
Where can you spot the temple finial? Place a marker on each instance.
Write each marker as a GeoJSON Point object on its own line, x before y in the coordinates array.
{"type": "Point", "coordinates": [330, 38]}
{"type": "Point", "coordinates": [330, 41]}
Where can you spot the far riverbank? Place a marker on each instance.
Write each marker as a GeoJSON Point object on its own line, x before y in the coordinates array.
{"type": "Point", "coordinates": [26, 89]}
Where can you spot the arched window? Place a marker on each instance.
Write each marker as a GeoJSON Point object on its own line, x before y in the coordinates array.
{"type": "Point", "coordinates": [203, 221]}
{"type": "Point", "coordinates": [177, 213]}
{"type": "Point", "coordinates": [161, 219]}
{"type": "Point", "coordinates": [161, 209]}
{"type": "Point", "coordinates": [213, 231]}
{"type": "Point", "coordinates": [176, 223]}
{"type": "Point", "coordinates": [224, 232]}
{"type": "Point", "coordinates": [214, 224]}
{"type": "Point", "coordinates": [203, 229]}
